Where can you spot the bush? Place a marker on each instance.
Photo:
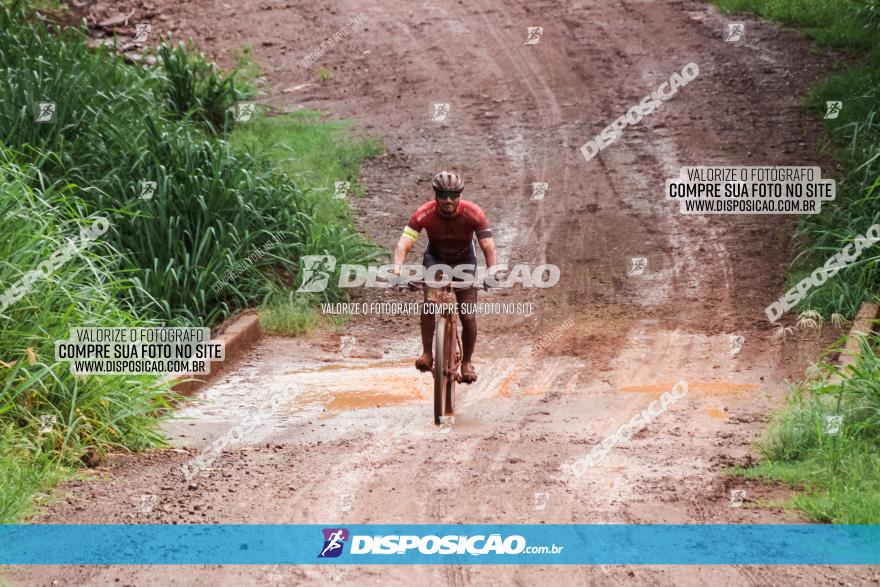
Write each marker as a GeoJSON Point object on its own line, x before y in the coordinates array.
{"type": "Point", "coordinates": [214, 205]}
{"type": "Point", "coordinates": [194, 89]}
{"type": "Point", "coordinates": [91, 413]}
{"type": "Point", "coordinates": [838, 473]}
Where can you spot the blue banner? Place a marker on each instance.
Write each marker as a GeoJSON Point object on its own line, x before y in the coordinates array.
{"type": "Point", "coordinates": [513, 544]}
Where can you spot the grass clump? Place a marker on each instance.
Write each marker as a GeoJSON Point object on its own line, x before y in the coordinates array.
{"type": "Point", "coordinates": [324, 74]}
{"type": "Point", "coordinates": [836, 471]}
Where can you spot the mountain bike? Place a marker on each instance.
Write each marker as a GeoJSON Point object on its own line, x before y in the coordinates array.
{"type": "Point", "coordinates": [447, 346]}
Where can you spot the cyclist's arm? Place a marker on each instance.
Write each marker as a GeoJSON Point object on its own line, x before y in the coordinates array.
{"type": "Point", "coordinates": [407, 240]}
{"type": "Point", "coordinates": [484, 235]}
{"type": "Point", "coordinates": [404, 246]}
{"type": "Point", "coordinates": [488, 246]}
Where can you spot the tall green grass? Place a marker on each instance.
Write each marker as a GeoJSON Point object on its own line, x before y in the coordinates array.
{"type": "Point", "coordinates": [92, 413]}
{"type": "Point", "coordinates": [838, 476]}
{"type": "Point", "coordinates": [315, 154]}
{"type": "Point", "coordinates": [193, 88]}
{"type": "Point", "coordinates": [117, 125]}
{"type": "Point", "coordinates": [216, 204]}
{"type": "Point", "coordinates": [852, 26]}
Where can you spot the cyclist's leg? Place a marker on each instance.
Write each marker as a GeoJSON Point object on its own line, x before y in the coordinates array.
{"type": "Point", "coordinates": [426, 323]}
{"type": "Point", "coordinates": [467, 300]}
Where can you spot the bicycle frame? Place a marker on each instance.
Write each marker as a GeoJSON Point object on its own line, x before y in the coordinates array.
{"type": "Point", "coordinates": [448, 351]}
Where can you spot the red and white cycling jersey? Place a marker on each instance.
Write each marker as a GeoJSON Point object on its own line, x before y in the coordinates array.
{"type": "Point", "coordinates": [449, 237]}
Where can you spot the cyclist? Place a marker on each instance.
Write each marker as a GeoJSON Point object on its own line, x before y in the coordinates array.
{"type": "Point", "coordinates": [451, 224]}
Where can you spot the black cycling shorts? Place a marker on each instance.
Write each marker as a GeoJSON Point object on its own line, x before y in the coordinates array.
{"type": "Point", "coordinates": [464, 296]}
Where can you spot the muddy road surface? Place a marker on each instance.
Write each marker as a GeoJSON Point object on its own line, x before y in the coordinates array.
{"type": "Point", "coordinates": [358, 444]}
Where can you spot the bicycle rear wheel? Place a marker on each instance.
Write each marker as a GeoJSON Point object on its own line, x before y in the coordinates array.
{"type": "Point", "coordinates": [439, 369]}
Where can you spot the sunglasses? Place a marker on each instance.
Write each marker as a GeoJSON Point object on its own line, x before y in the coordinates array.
{"type": "Point", "coordinates": [447, 195]}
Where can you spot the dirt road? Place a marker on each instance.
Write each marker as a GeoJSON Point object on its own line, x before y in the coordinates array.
{"type": "Point", "coordinates": [359, 446]}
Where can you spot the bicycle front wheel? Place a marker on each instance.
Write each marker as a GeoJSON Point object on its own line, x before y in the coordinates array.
{"type": "Point", "coordinates": [439, 369]}
{"type": "Point", "coordinates": [452, 360]}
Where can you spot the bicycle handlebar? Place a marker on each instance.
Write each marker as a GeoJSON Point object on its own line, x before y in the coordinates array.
{"type": "Point", "coordinates": [413, 283]}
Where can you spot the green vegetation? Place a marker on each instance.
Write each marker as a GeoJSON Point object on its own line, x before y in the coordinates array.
{"type": "Point", "coordinates": [838, 474]}
{"type": "Point", "coordinates": [854, 27]}
{"type": "Point", "coordinates": [224, 189]}
{"type": "Point", "coordinates": [247, 70]}
{"type": "Point", "coordinates": [48, 417]}
{"type": "Point", "coordinates": [315, 156]}
{"type": "Point", "coordinates": [312, 154]}
{"type": "Point", "coordinates": [324, 74]}
{"type": "Point", "coordinates": [213, 204]}
{"type": "Point", "coordinates": [832, 23]}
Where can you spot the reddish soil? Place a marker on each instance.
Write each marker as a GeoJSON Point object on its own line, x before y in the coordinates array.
{"type": "Point", "coordinates": [362, 426]}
